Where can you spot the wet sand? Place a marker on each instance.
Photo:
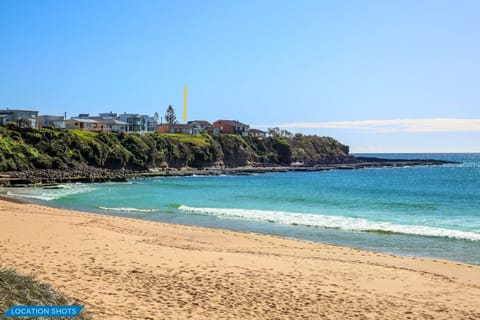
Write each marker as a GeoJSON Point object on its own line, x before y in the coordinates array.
{"type": "Point", "coordinates": [123, 268]}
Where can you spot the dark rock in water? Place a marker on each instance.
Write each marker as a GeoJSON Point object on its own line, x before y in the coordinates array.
{"type": "Point", "coordinates": [399, 162]}
{"type": "Point", "coordinates": [50, 177]}
{"type": "Point", "coordinates": [87, 174]}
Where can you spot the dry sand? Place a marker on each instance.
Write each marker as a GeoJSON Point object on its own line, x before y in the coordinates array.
{"type": "Point", "coordinates": [131, 269]}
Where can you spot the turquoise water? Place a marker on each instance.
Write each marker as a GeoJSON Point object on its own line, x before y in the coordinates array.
{"type": "Point", "coordinates": [431, 211]}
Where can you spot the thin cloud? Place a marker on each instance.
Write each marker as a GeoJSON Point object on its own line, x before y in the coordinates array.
{"type": "Point", "coordinates": [390, 126]}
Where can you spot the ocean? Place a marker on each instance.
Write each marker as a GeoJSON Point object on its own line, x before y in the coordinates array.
{"type": "Point", "coordinates": [429, 211]}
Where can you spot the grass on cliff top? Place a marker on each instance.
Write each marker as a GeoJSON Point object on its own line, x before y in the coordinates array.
{"type": "Point", "coordinates": [85, 134]}
{"type": "Point", "coordinates": [195, 139]}
{"type": "Point", "coordinates": [17, 289]}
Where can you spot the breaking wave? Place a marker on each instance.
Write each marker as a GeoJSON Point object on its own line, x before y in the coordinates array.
{"type": "Point", "coordinates": [333, 222]}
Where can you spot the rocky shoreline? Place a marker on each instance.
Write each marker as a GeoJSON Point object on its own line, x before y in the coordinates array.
{"type": "Point", "coordinates": [91, 174]}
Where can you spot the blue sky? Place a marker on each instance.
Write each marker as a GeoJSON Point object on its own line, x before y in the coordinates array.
{"type": "Point", "coordinates": [320, 67]}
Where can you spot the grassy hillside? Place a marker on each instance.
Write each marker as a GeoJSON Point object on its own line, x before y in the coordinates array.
{"type": "Point", "coordinates": [30, 149]}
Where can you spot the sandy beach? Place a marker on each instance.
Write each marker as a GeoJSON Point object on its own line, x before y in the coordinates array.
{"type": "Point", "coordinates": [123, 268]}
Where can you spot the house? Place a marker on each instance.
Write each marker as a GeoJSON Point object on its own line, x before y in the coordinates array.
{"type": "Point", "coordinates": [163, 128]}
{"type": "Point", "coordinates": [51, 121]}
{"type": "Point", "coordinates": [4, 119]}
{"type": "Point", "coordinates": [137, 122]}
{"type": "Point", "coordinates": [81, 124]}
{"type": "Point", "coordinates": [200, 124]}
{"type": "Point", "coordinates": [257, 133]}
{"type": "Point", "coordinates": [97, 124]}
{"type": "Point", "coordinates": [134, 121]}
{"type": "Point", "coordinates": [151, 123]}
{"type": "Point", "coordinates": [178, 128]}
{"type": "Point", "coordinates": [213, 130]}
{"type": "Point", "coordinates": [232, 126]}
{"type": "Point", "coordinates": [183, 128]}
{"type": "Point", "coordinates": [20, 117]}
{"type": "Point", "coordinates": [110, 125]}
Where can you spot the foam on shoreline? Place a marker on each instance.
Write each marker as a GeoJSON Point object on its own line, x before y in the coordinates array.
{"type": "Point", "coordinates": [332, 222]}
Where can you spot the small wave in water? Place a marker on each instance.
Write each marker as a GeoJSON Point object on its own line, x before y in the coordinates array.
{"type": "Point", "coordinates": [333, 222]}
{"type": "Point", "coordinates": [50, 194]}
{"type": "Point", "coordinates": [121, 209]}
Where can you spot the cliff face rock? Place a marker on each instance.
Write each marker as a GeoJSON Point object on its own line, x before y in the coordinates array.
{"type": "Point", "coordinates": [299, 148]}
{"type": "Point", "coordinates": [236, 152]}
{"type": "Point", "coordinates": [34, 149]}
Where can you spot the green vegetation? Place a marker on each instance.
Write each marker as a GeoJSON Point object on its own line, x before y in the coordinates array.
{"type": "Point", "coordinates": [47, 148]}
{"type": "Point", "coordinates": [299, 148]}
{"type": "Point", "coordinates": [16, 289]}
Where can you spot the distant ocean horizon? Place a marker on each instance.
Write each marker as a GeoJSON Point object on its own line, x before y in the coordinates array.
{"type": "Point", "coordinates": [428, 211]}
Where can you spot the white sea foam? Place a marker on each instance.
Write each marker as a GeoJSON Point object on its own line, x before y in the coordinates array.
{"type": "Point", "coordinates": [121, 209]}
{"type": "Point", "coordinates": [336, 222]}
{"type": "Point", "coordinates": [50, 194]}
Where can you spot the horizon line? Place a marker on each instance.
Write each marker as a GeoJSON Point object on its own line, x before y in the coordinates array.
{"type": "Point", "coordinates": [406, 125]}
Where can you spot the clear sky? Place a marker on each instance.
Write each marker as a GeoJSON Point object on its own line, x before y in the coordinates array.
{"type": "Point", "coordinates": [378, 75]}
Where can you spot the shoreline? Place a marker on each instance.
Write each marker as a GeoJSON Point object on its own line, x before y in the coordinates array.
{"type": "Point", "coordinates": [249, 230]}
{"type": "Point", "coordinates": [174, 271]}
{"type": "Point", "coordinates": [51, 177]}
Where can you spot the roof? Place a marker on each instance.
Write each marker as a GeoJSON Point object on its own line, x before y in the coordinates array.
{"type": "Point", "coordinates": [16, 110]}
{"type": "Point", "coordinates": [120, 122]}
{"type": "Point", "coordinates": [108, 121]}
{"type": "Point", "coordinates": [86, 120]}
{"type": "Point", "coordinates": [201, 122]}
{"type": "Point", "coordinates": [234, 123]}
{"type": "Point", "coordinates": [50, 116]}
{"type": "Point", "coordinates": [180, 126]}
{"type": "Point", "coordinates": [257, 131]}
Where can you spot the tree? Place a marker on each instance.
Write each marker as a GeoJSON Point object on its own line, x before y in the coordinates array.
{"type": "Point", "coordinates": [274, 132]}
{"type": "Point", "coordinates": [277, 132]}
{"type": "Point", "coordinates": [286, 133]}
{"type": "Point", "coordinates": [170, 117]}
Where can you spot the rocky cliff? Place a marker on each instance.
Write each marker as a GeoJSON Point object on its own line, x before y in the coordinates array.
{"type": "Point", "coordinates": [46, 148]}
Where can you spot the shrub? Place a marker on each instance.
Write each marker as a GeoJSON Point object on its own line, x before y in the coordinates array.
{"type": "Point", "coordinates": [17, 289]}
